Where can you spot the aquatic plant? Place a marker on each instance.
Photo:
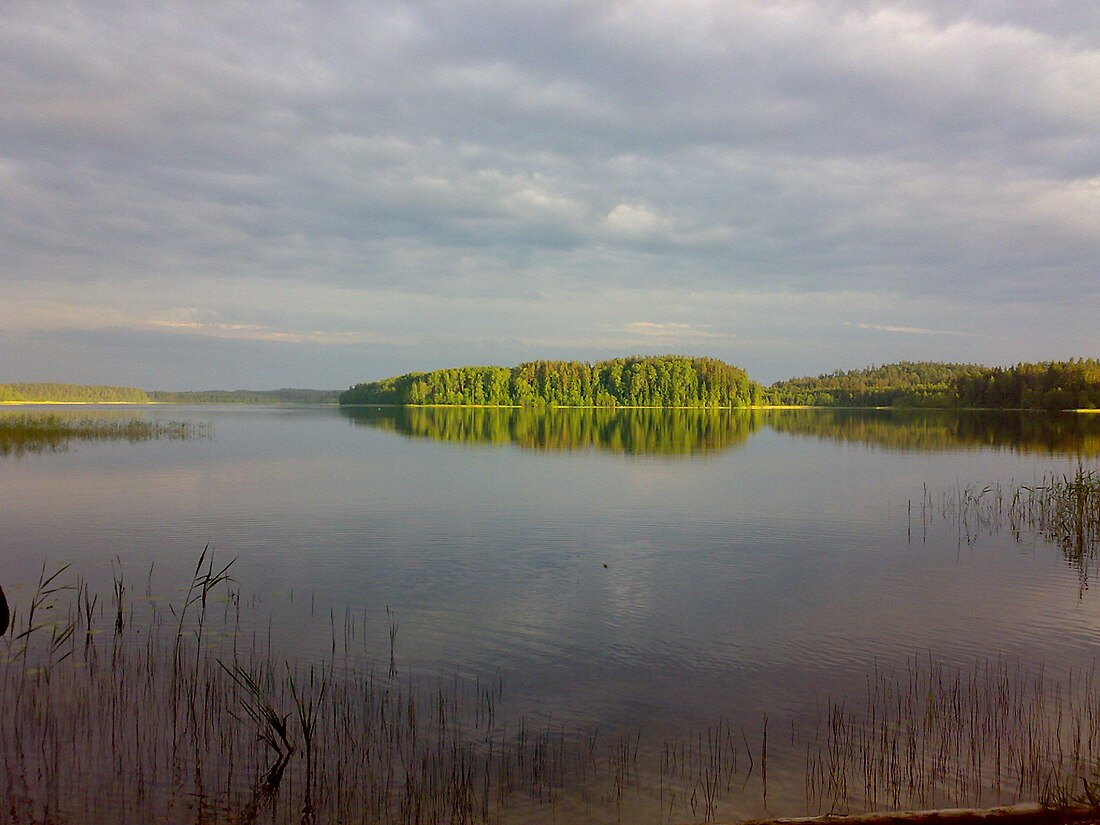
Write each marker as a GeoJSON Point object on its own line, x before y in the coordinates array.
{"type": "Point", "coordinates": [933, 736]}
{"type": "Point", "coordinates": [25, 433]}
{"type": "Point", "coordinates": [124, 710]}
{"type": "Point", "coordinates": [130, 712]}
{"type": "Point", "coordinates": [1061, 509]}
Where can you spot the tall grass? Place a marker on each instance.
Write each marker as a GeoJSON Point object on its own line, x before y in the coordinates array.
{"type": "Point", "coordinates": [22, 433]}
{"type": "Point", "coordinates": [933, 736]}
{"type": "Point", "coordinates": [1061, 509]}
{"type": "Point", "coordinates": [121, 710]}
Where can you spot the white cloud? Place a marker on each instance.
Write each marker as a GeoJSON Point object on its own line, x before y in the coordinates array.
{"type": "Point", "coordinates": [259, 332]}
{"type": "Point", "coordinates": [635, 219]}
{"type": "Point", "coordinates": [903, 330]}
{"type": "Point", "coordinates": [692, 333]}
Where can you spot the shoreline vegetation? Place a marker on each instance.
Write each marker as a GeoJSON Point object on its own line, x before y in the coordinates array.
{"type": "Point", "coordinates": [32, 393]}
{"type": "Point", "coordinates": [180, 711]}
{"type": "Point", "coordinates": [673, 381]}
{"type": "Point", "coordinates": [22, 434]}
{"type": "Point", "coordinates": [665, 381]}
{"type": "Point", "coordinates": [82, 394]}
{"type": "Point", "coordinates": [287, 395]}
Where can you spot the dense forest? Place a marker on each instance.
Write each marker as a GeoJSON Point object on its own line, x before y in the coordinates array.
{"type": "Point", "coordinates": [72, 394]}
{"type": "Point", "coordinates": [1051, 385]}
{"type": "Point", "coordinates": [659, 381]}
{"type": "Point", "coordinates": [283, 396]}
{"type": "Point", "coordinates": [905, 384]}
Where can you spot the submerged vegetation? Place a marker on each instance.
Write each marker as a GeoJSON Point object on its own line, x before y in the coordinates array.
{"type": "Point", "coordinates": [128, 710]}
{"type": "Point", "coordinates": [20, 434]}
{"type": "Point", "coordinates": [659, 381]}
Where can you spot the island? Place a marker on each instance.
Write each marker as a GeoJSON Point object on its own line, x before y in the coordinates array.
{"type": "Point", "coordinates": [639, 381]}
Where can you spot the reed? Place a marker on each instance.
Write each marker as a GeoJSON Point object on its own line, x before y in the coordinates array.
{"type": "Point", "coordinates": [1061, 509]}
{"type": "Point", "coordinates": [117, 710]}
{"type": "Point", "coordinates": [933, 736]}
{"type": "Point", "coordinates": [37, 433]}
{"type": "Point", "coordinates": [169, 716]}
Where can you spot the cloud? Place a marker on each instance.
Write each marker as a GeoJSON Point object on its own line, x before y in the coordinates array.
{"type": "Point", "coordinates": [310, 171]}
{"type": "Point", "coordinates": [260, 332]}
{"type": "Point", "coordinates": [688, 333]}
{"type": "Point", "coordinates": [635, 219]}
{"type": "Point", "coordinates": [901, 330]}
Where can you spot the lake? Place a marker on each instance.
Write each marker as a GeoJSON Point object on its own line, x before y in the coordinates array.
{"type": "Point", "coordinates": [648, 581]}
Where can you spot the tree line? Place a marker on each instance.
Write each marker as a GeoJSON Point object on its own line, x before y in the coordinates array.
{"type": "Point", "coordinates": [905, 384]}
{"type": "Point", "coordinates": [656, 381]}
{"type": "Point", "coordinates": [1049, 385]}
{"type": "Point", "coordinates": [283, 396]}
{"type": "Point", "coordinates": [72, 393]}
{"type": "Point", "coordinates": [98, 394]}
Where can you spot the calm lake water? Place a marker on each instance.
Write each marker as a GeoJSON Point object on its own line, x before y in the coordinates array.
{"type": "Point", "coordinates": [646, 574]}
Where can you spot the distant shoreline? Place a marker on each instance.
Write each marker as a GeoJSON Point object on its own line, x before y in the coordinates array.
{"type": "Point", "coordinates": [521, 407]}
{"type": "Point", "coordinates": [704, 408]}
{"type": "Point", "coordinates": [80, 403]}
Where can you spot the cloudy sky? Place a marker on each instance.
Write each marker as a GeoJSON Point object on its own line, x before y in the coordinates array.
{"type": "Point", "coordinates": [268, 194]}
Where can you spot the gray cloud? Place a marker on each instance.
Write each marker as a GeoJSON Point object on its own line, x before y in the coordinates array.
{"type": "Point", "coordinates": [456, 180]}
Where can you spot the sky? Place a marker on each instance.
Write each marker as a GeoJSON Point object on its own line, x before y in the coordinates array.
{"type": "Point", "coordinates": [274, 194]}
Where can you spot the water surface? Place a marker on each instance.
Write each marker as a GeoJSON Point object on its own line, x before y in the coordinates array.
{"type": "Point", "coordinates": [644, 573]}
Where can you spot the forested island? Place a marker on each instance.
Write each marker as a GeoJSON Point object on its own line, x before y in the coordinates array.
{"type": "Point", "coordinates": [659, 381]}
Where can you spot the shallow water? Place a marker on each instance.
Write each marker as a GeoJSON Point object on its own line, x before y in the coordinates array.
{"type": "Point", "coordinates": [645, 574]}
